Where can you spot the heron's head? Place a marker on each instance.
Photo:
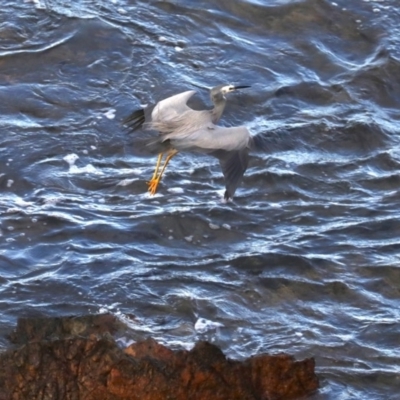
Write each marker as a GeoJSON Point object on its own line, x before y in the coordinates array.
{"type": "Point", "coordinates": [219, 92]}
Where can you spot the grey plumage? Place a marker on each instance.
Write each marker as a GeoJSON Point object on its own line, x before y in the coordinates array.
{"type": "Point", "coordinates": [181, 128]}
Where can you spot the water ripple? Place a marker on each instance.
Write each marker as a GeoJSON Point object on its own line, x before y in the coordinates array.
{"type": "Point", "coordinates": [304, 260]}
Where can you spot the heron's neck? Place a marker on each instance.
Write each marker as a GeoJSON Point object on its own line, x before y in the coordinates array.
{"type": "Point", "coordinates": [218, 110]}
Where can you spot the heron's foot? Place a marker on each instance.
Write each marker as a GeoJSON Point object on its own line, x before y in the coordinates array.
{"type": "Point", "coordinates": [153, 184]}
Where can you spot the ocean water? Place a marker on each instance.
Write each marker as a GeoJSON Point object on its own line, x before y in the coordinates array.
{"type": "Point", "coordinates": [306, 257]}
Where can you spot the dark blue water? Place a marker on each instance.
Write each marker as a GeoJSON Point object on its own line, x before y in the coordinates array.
{"type": "Point", "coordinates": [304, 260]}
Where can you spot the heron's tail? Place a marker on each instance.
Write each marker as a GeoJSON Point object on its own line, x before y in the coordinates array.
{"type": "Point", "coordinates": [135, 120]}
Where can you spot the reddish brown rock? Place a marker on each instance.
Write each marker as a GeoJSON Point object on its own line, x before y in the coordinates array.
{"type": "Point", "coordinates": [34, 329]}
{"type": "Point", "coordinates": [71, 366]}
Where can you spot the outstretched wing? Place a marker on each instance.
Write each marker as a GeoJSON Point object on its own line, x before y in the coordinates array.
{"type": "Point", "coordinates": [210, 138]}
{"type": "Point", "coordinates": [229, 145]}
{"type": "Point", "coordinates": [172, 107]}
{"type": "Point", "coordinates": [169, 108]}
{"type": "Point", "coordinates": [234, 165]}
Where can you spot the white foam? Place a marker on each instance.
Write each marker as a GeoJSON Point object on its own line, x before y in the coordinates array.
{"type": "Point", "coordinates": [73, 169]}
{"type": "Point", "coordinates": [152, 196]}
{"type": "Point", "coordinates": [203, 325]}
{"type": "Point", "coordinates": [176, 190]}
{"type": "Point", "coordinates": [87, 169]}
{"type": "Point", "coordinates": [275, 205]}
{"type": "Point", "coordinates": [71, 158]}
{"type": "Point", "coordinates": [38, 4]}
{"type": "Point", "coordinates": [136, 171]}
{"type": "Point", "coordinates": [52, 201]}
{"type": "Point", "coordinates": [125, 182]}
{"type": "Point", "coordinates": [13, 210]}
{"type": "Point", "coordinates": [110, 114]}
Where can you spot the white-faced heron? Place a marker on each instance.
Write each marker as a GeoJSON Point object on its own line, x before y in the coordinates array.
{"type": "Point", "coordinates": [182, 128]}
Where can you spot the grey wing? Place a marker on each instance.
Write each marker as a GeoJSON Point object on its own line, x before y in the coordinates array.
{"type": "Point", "coordinates": [166, 109]}
{"type": "Point", "coordinates": [172, 107]}
{"type": "Point", "coordinates": [234, 165]}
{"type": "Point", "coordinates": [211, 138]}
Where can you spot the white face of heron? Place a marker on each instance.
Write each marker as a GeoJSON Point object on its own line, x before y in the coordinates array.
{"type": "Point", "coordinates": [227, 89]}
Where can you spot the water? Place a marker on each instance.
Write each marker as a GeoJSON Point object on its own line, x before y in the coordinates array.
{"type": "Point", "coordinates": [306, 258]}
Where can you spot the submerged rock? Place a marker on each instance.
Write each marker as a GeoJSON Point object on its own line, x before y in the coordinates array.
{"type": "Point", "coordinates": [77, 358]}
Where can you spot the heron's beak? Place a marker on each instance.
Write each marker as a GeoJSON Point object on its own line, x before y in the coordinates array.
{"type": "Point", "coordinates": [241, 87]}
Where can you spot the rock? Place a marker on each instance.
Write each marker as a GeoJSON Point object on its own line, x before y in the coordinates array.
{"type": "Point", "coordinates": [34, 329]}
{"type": "Point", "coordinates": [77, 358]}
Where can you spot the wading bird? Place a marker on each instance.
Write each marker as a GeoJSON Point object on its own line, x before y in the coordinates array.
{"type": "Point", "coordinates": [181, 128]}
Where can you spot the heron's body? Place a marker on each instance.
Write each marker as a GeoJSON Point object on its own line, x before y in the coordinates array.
{"type": "Point", "coordinates": [183, 129]}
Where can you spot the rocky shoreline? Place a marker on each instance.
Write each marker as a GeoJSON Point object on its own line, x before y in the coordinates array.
{"type": "Point", "coordinates": [75, 358]}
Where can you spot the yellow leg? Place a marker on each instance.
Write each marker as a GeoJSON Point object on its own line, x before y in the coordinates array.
{"type": "Point", "coordinates": [155, 180]}
{"type": "Point", "coordinates": [160, 156]}
{"type": "Point", "coordinates": [169, 157]}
